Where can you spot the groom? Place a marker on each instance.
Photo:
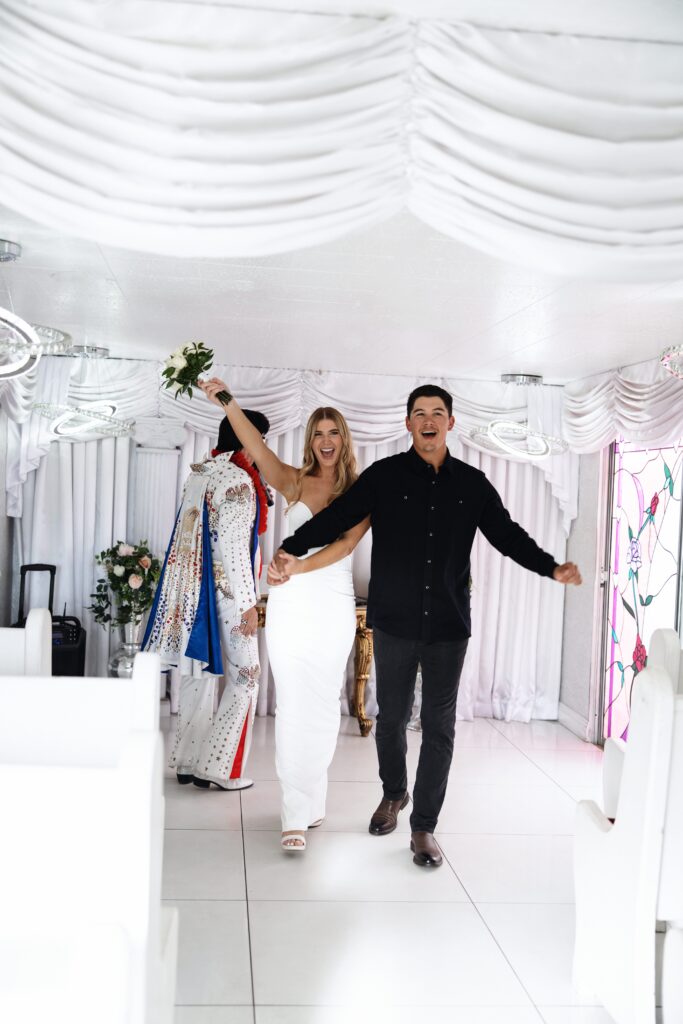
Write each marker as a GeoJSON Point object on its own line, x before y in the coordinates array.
{"type": "Point", "coordinates": [425, 508]}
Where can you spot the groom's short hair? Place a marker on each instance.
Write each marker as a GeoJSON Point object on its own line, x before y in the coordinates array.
{"type": "Point", "coordinates": [228, 441]}
{"type": "Point", "coordinates": [430, 391]}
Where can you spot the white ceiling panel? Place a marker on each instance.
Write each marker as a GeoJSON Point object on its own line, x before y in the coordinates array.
{"type": "Point", "coordinates": [399, 298]}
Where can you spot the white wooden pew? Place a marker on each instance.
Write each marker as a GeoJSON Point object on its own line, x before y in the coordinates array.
{"type": "Point", "coordinates": [82, 934]}
{"type": "Point", "coordinates": [629, 875]}
{"type": "Point", "coordinates": [28, 651]}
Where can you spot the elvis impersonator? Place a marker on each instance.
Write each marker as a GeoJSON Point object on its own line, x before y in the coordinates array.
{"type": "Point", "coordinates": [205, 609]}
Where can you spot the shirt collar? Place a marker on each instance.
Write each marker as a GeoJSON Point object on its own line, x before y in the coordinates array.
{"type": "Point", "coordinates": [418, 464]}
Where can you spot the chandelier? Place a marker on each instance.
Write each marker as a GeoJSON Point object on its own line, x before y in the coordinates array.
{"type": "Point", "coordinates": [84, 422]}
{"type": "Point", "coordinates": [517, 440]}
{"type": "Point", "coordinates": [87, 420]}
{"type": "Point", "coordinates": [19, 344]}
{"type": "Point", "coordinates": [672, 360]}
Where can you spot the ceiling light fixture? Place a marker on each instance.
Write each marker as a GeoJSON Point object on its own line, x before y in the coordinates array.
{"type": "Point", "coordinates": [90, 351]}
{"type": "Point", "coordinates": [84, 422]}
{"type": "Point", "coordinates": [53, 342]}
{"type": "Point", "coordinates": [672, 360]}
{"type": "Point", "coordinates": [517, 440]}
{"type": "Point", "coordinates": [521, 378]}
{"type": "Point", "coordinates": [88, 420]}
{"type": "Point", "coordinates": [19, 344]}
{"type": "Point", "coordinates": [9, 251]}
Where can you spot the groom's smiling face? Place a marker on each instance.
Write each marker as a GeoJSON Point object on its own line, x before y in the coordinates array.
{"type": "Point", "coordinates": [429, 424]}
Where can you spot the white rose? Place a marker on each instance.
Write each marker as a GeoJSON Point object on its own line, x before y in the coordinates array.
{"type": "Point", "coordinates": [177, 361]}
{"type": "Point", "coordinates": [135, 581]}
{"type": "Point", "coordinates": [119, 570]}
{"type": "Point", "coordinates": [125, 549]}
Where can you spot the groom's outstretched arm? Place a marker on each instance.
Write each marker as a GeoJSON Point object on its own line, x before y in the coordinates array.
{"type": "Point", "coordinates": [344, 513]}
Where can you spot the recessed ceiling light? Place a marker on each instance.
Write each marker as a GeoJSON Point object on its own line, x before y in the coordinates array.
{"type": "Point", "coordinates": [9, 251]}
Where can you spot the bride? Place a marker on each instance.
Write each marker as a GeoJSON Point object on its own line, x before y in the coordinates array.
{"type": "Point", "coordinates": [308, 664]}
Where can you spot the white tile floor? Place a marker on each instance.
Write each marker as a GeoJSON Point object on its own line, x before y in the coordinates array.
{"type": "Point", "coordinates": [353, 931]}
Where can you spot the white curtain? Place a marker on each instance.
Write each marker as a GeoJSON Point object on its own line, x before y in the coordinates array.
{"type": "Point", "coordinates": [84, 496]}
{"type": "Point", "coordinates": [641, 403]}
{"type": "Point", "coordinates": [374, 406]}
{"type": "Point", "coordinates": [75, 505]}
{"type": "Point", "coordinates": [181, 127]}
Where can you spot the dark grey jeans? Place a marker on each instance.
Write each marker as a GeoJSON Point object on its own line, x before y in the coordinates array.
{"type": "Point", "coordinates": [396, 662]}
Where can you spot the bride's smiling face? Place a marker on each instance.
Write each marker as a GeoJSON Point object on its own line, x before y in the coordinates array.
{"type": "Point", "coordinates": [327, 443]}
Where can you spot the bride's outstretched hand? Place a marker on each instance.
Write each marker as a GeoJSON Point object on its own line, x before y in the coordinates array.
{"type": "Point", "coordinates": [211, 389]}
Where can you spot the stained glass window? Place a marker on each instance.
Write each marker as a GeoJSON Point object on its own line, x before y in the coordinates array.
{"type": "Point", "coordinates": [644, 568]}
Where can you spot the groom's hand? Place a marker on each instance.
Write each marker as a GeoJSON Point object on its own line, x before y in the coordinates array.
{"type": "Point", "coordinates": [568, 573]}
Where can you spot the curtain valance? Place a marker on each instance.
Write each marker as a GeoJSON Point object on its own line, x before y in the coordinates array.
{"type": "Point", "coordinates": [184, 128]}
{"type": "Point", "coordinates": [640, 403]}
{"type": "Point", "coordinates": [374, 406]}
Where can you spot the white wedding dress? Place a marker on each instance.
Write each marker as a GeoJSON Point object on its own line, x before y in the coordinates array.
{"type": "Point", "coordinates": [310, 629]}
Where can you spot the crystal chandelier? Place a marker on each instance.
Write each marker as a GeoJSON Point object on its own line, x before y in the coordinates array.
{"type": "Point", "coordinates": [19, 345]}
{"type": "Point", "coordinates": [517, 440]}
{"type": "Point", "coordinates": [672, 360]}
{"type": "Point", "coordinates": [88, 420]}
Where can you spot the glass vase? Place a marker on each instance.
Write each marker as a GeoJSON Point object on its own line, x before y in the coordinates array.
{"type": "Point", "coordinates": [121, 662]}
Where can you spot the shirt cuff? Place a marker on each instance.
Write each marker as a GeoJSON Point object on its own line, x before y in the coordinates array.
{"type": "Point", "coordinates": [293, 546]}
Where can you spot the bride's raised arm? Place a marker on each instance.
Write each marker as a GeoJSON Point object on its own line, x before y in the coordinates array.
{"type": "Point", "coordinates": [276, 473]}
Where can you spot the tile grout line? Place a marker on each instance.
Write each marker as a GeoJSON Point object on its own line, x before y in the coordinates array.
{"type": "Point", "coordinates": [488, 929]}
{"type": "Point", "coordinates": [246, 899]}
{"type": "Point", "coordinates": [525, 754]}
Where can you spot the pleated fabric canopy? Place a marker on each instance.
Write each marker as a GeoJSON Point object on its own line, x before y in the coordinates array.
{"type": "Point", "coordinates": [201, 129]}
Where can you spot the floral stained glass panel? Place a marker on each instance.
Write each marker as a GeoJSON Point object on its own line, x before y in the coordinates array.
{"type": "Point", "coordinates": [644, 568]}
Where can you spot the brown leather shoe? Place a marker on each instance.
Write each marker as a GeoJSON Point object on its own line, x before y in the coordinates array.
{"type": "Point", "coordinates": [427, 853]}
{"type": "Point", "coordinates": [385, 818]}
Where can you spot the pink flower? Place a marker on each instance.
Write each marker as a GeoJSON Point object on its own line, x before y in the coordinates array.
{"type": "Point", "coordinates": [135, 581]}
{"type": "Point", "coordinates": [653, 504]}
{"type": "Point", "coordinates": [145, 562]}
{"type": "Point", "coordinates": [639, 655]}
{"type": "Point", "coordinates": [125, 549]}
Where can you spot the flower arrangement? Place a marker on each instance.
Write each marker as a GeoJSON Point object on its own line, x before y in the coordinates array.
{"type": "Point", "coordinates": [184, 366]}
{"type": "Point", "coordinates": [131, 574]}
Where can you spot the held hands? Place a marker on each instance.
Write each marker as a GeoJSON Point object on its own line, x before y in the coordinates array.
{"type": "Point", "coordinates": [282, 567]}
{"type": "Point", "coordinates": [249, 623]}
{"type": "Point", "coordinates": [211, 389]}
{"type": "Point", "coordinates": [568, 573]}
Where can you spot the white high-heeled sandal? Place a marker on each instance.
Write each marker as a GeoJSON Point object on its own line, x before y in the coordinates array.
{"type": "Point", "coordinates": [293, 842]}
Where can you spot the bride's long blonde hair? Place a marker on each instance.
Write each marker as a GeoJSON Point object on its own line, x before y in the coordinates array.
{"type": "Point", "coordinates": [346, 469]}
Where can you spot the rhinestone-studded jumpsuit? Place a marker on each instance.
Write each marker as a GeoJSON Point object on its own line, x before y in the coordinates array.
{"type": "Point", "coordinates": [212, 746]}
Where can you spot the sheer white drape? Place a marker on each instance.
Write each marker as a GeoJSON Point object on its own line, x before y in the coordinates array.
{"type": "Point", "coordinates": [75, 504]}
{"type": "Point", "coordinates": [642, 403]}
{"type": "Point", "coordinates": [374, 407]}
{"type": "Point", "coordinates": [182, 127]}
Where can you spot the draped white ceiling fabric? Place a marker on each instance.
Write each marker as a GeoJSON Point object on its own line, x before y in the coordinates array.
{"type": "Point", "coordinates": [197, 129]}
{"type": "Point", "coordinates": [374, 406]}
{"type": "Point", "coordinates": [641, 403]}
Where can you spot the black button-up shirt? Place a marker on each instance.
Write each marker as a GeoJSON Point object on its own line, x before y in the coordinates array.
{"type": "Point", "coordinates": [423, 527]}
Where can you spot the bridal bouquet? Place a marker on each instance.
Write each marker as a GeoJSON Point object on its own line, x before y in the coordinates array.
{"type": "Point", "coordinates": [131, 574]}
{"type": "Point", "coordinates": [184, 366]}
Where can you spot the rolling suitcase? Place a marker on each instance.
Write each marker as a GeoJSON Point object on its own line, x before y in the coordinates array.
{"type": "Point", "coordinates": [68, 636]}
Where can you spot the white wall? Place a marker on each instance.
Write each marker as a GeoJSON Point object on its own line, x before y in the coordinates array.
{"type": "Point", "coordinates": [579, 608]}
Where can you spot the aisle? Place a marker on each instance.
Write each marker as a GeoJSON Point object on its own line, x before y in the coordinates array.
{"type": "Point", "coordinates": [352, 931]}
